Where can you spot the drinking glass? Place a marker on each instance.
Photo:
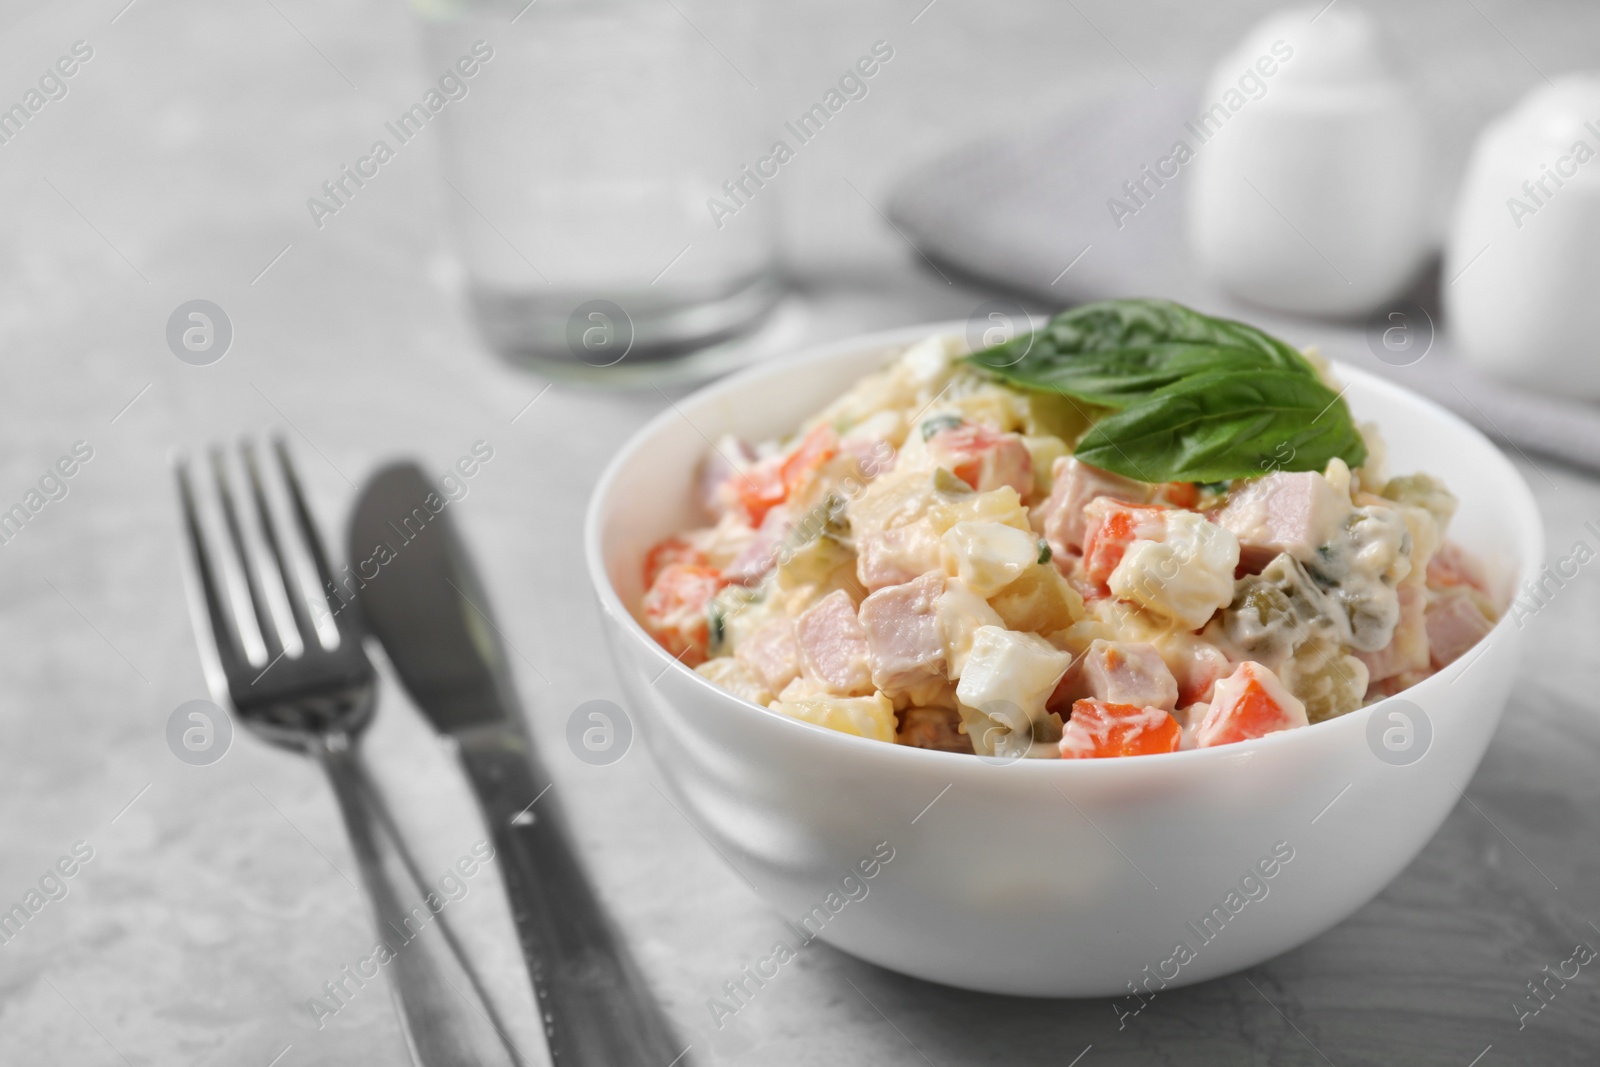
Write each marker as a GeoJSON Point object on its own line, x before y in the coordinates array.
{"type": "Point", "coordinates": [584, 159]}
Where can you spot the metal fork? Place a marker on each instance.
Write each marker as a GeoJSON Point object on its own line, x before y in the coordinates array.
{"type": "Point", "coordinates": [317, 703]}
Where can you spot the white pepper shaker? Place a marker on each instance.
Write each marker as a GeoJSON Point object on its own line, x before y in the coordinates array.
{"type": "Point", "coordinates": [1311, 186]}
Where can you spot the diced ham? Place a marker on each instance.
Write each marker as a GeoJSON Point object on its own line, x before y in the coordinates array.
{"type": "Point", "coordinates": [1061, 519]}
{"type": "Point", "coordinates": [1284, 512]}
{"type": "Point", "coordinates": [1455, 623]}
{"type": "Point", "coordinates": [833, 647]}
{"type": "Point", "coordinates": [1112, 526]}
{"type": "Point", "coordinates": [731, 455]}
{"type": "Point", "coordinates": [665, 553]}
{"type": "Point", "coordinates": [1129, 672]}
{"type": "Point", "coordinates": [760, 554]}
{"type": "Point", "coordinates": [983, 458]}
{"type": "Point", "coordinates": [935, 728]}
{"type": "Point", "coordinates": [1196, 665]}
{"type": "Point", "coordinates": [1249, 703]}
{"type": "Point", "coordinates": [897, 555]}
{"type": "Point", "coordinates": [1098, 730]}
{"type": "Point", "coordinates": [1408, 650]}
{"type": "Point", "coordinates": [675, 609]}
{"type": "Point", "coordinates": [906, 645]}
{"type": "Point", "coordinates": [1453, 565]}
{"type": "Point", "coordinates": [772, 653]}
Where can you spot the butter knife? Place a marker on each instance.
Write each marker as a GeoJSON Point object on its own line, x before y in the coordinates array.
{"type": "Point", "coordinates": [427, 608]}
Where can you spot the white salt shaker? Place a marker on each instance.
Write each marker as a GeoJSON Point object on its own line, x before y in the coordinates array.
{"type": "Point", "coordinates": [1311, 182]}
{"type": "Point", "coordinates": [1522, 267]}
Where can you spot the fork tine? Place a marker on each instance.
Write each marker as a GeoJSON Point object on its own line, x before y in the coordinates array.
{"type": "Point", "coordinates": [342, 618]}
{"type": "Point", "coordinates": [269, 534]}
{"type": "Point", "coordinates": [225, 636]}
{"type": "Point", "coordinates": [258, 603]}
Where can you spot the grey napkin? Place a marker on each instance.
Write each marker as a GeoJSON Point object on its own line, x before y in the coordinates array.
{"type": "Point", "coordinates": [1032, 212]}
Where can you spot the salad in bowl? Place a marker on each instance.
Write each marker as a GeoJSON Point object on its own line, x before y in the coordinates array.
{"type": "Point", "coordinates": [1137, 530]}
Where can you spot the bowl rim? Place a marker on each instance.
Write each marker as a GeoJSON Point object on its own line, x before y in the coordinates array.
{"type": "Point", "coordinates": [1528, 529]}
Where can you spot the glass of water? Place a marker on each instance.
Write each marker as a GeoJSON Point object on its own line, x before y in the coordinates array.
{"type": "Point", "coordinates": [596, 162]}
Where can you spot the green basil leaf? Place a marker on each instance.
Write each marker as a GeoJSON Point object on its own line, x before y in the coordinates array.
{"type": "Point", "coordinates": [1118, 377]}
{"type": "Point", "coordinates": [1113, 352]}
{"type": "Point", "coordinates": [1224, 425]}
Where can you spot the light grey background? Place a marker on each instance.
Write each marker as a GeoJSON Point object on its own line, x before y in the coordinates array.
{"type": "Point", "coordinates": [218, 900]}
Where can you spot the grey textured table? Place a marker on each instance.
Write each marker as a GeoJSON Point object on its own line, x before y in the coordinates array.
{"type": "Point", "coordinates": [219, 899]}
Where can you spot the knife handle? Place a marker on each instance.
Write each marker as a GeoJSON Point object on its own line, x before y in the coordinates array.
{"type": "Point", "coordinates": [597, 1009]}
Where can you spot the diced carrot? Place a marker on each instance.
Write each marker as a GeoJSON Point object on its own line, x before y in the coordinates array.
{"type": "Point", "coordinates": [672, 550]}
{"type": "Point", "coordinates": [675, 609]}
{"type": "Point", "coordinates": [1249, 703]}
{"type": "Point", "coordinates": [1181, 494]}
{"type": "Point", "coordinates": [759, 489]}
{"type": "Point", "coordinates": [984, 458]}
{"type": "Point", "coordinates": [819, 446]}
{"type": "Point", "coordinates": [1113, 526]}
{"type": "Point", "coordinates": [767, 484]}
{"type": "Point", "coordinates": [1098, 730]}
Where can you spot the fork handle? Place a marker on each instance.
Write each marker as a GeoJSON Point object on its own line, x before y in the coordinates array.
{"type": "Point", "coordinates": [599, 1012]}
{"type": "Point", "coordinates": [444, 1022]}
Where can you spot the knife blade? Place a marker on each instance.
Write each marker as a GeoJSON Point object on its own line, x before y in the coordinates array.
{"type": "Point", "coordinates": [427, 608]}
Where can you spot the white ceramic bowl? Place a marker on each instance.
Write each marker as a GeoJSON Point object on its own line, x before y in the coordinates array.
{"type": "Point", "coordinates": [1044, 877]}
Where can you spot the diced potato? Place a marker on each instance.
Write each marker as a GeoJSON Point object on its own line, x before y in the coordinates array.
{"type": "Point", "coordinates": [1040, 601]}
{"type": "Point", "coordinates": [887, 426]}
{"type": "Point", "coordinates": [1077, 638]}
{"type": "Point", "coordinates": [815, 560]}
{"type": "Point", "coordinates": [1187, 575]}
{"type": "Point", "coordinates": [1045, 450]}
{"type": "Point", "coordinates": [912, 381]}
{"type": "Point", "coordinates": [1001, 505]}
{"type": "Point", "coordinates": [988, 556]}
{"type": "Point", "coordinates": [977, 399]}
{"type": "Point", "coordinates": [737, 678]}
{"type": "Point", "coordinates": [961, 613]}
{"type": "Point", "coordinates": [1059, 415]}
{"type": "Point", "coordinates": [870, 716]}
{"type": "Point", "coordinates": [724, 542]}
{"type": "Point", "coordinates": [1128, 621]}
{"type": "Point", "coordinates": [894, 498]}
{"type": "Point", "coordinates": [1009, 676]}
